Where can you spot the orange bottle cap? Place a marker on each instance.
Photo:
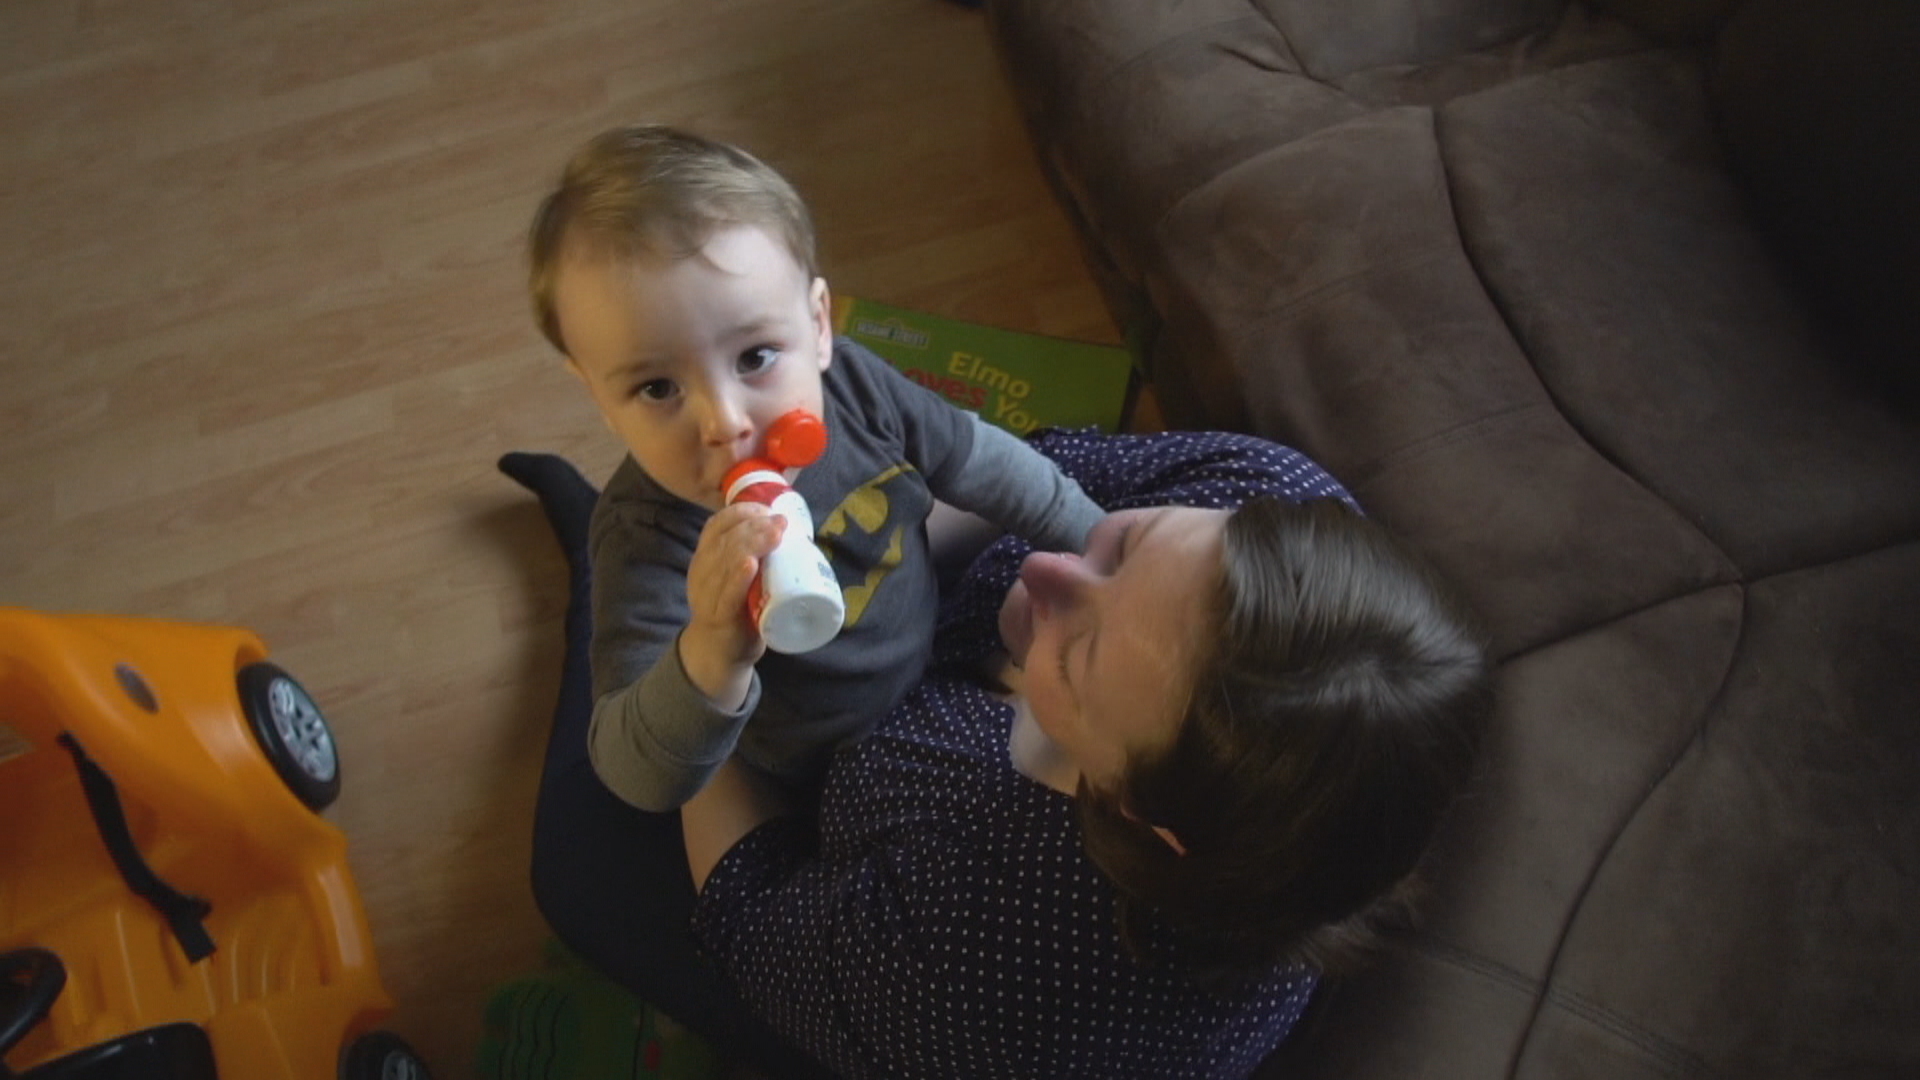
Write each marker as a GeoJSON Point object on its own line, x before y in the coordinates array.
{"type": "Point", "coordinates": [796, 439]}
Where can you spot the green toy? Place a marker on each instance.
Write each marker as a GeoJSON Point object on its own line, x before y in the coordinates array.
{"type": "Point", "coordinates": [568, 1022]}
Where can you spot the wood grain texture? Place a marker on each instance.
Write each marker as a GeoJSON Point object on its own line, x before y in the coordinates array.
{"type": "Point", "coordinates": [263, 333]}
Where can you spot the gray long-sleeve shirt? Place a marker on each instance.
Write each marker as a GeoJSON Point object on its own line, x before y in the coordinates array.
{"type": "Point", "coordinates": [893, 448]}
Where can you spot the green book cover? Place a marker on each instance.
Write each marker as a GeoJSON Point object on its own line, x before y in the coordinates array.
{"type": "Point", "coordinates": [1017, 380]}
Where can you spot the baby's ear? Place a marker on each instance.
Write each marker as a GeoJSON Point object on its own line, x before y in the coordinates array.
{"type": "Point", "coordinates": [820, 300]}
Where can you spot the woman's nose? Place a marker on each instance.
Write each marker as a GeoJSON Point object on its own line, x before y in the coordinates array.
{"type": "Point", "coordinates": [1055, 579]}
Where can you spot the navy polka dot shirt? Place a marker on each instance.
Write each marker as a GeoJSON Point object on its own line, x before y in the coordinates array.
{"type": "Point", "coordinates": [941, 918]}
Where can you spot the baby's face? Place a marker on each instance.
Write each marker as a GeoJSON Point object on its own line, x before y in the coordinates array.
{"type": "Point", "coordinates": [690, 360]}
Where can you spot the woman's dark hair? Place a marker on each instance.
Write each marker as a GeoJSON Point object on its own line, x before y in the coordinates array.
{"type": "Point", "coordinates": [1332, 721]}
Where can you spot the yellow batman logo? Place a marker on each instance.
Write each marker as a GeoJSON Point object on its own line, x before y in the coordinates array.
{"type": "Point", "coordinates": [869, 529]}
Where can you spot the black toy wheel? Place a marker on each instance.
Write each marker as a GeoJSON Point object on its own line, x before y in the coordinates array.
{"type": "Point", "coordinates": [30, 982]}
{"type": "Point", "coordinates": [381, 1055]}
{"type": "Point", "coordinates": [290, 728]}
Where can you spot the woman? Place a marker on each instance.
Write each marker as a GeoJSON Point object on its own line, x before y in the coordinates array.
{"type": "Point", "coordinates": [1228, 741]}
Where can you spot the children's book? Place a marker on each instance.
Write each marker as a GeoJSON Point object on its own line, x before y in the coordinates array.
{"type": "Point", "coordinates": [1017, 380]}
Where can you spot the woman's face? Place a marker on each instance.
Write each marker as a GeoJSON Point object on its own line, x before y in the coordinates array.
{"type": "Point", "coordinates": [1106, 640]}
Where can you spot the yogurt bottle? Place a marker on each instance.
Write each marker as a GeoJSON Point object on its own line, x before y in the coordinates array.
{"type": "Point", "coordinates": [794, 600]}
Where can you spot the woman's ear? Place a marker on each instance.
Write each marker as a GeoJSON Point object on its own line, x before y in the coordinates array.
{"type": "Point", "coordinates": [1161, 831]}
{"type": "Point", "coordinates": [1173, 841]}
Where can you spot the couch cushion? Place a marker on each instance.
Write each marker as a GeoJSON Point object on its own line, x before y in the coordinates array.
{"type": "Point", "coordinates": [1335, 38]}
{"type": "Point", "coordinates": [1759, 909]}
{"type": "Point", "coordinates": [1138, 111]}
{"type": "Point", "coordinates": [1148, 107]}
{"type": "Point", "coordinates": [1319, 295]}
{"type": "Point", "coordinates": [1695, 852]}
{"type": "Point", "coordinates": [1579, 36]}
{"type": "Point", "coordinates": [1602, 220]}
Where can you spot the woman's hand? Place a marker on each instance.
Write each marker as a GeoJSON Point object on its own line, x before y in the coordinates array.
{"type": "Point", "coordinates": [735, 802]}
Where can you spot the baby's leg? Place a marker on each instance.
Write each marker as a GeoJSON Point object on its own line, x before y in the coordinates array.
{"type": "Point", "coordinates": [612, 880]}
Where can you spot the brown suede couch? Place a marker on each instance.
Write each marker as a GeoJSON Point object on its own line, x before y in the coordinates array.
{"type": "Point", "coordinates": [1613, 310]}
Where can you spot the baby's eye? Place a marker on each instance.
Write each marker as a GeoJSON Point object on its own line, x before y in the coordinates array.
{"type": "Point", "coordinates": [655, 390]}
{"type": "Point", "coordinates": [757, 359]}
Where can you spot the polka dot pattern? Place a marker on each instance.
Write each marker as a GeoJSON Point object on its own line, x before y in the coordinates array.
{"type": "Point", "coordinates": [942, 919]}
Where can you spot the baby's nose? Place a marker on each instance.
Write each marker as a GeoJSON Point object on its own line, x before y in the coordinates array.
{"type": "Point", "coordinates": [724, 422]}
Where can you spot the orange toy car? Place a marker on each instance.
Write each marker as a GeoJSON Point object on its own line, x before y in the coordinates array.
{"type": "Point", "coordinates": [171, 904]}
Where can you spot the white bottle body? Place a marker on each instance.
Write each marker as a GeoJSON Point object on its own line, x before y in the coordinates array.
{"type": "Point", "coordinates": [795, 600]}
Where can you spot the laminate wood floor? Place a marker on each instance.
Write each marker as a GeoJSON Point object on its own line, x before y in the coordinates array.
{"type": "Point", "coordinates": [263, 333]}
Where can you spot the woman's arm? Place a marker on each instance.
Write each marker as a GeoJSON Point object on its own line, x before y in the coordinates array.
{"type": "Point", "coordinates": [734, 803]}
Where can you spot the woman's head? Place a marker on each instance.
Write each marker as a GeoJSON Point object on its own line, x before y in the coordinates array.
{"type": "Point", "coordinates": [1318, 714]}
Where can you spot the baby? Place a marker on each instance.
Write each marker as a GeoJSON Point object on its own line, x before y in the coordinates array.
{"type": "Point", "coordinates": [678, 277]}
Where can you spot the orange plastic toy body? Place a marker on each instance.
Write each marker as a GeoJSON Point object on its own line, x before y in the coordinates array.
{"type": "Point", "coordinates": [161, 708]}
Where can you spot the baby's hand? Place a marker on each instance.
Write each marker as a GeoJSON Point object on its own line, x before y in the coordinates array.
{"type": "Point", "coordinates": [720, 646]}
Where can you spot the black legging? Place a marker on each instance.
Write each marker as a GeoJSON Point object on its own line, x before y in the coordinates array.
{"type": "Point", "coordinates": [612, 880]}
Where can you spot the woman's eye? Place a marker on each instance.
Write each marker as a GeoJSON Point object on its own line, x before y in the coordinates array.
{"type": "Point", "coordinates": [1061, 659]}
{"type": "Point", "coordinates": [1116, 550]}
{"type": "Point", "coordinates": [759, 359]}
{"type": "Point", "coordinates": [654, 390]}
{"type": "Point", "coordinates": [1103, 550]}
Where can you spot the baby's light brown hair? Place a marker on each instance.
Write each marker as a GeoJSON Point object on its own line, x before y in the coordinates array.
{"type": "Point", "coordinates": [654, 191]}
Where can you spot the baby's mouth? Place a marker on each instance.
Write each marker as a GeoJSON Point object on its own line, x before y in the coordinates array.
{"type": "Point", "coordinates": [715, 476]}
